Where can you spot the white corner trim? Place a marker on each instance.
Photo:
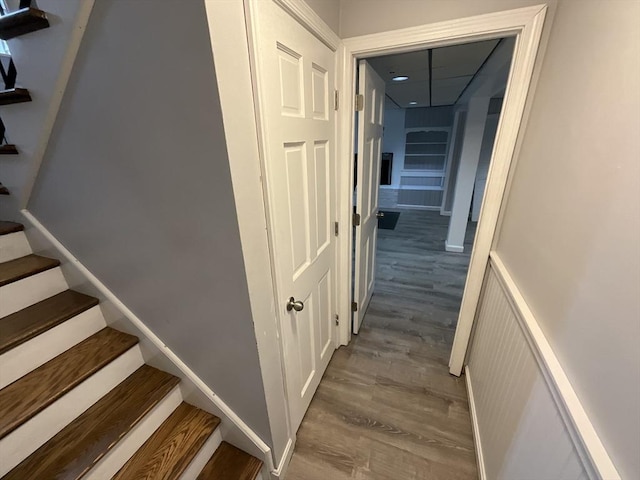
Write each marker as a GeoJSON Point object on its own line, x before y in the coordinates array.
{"type": "Point", "coordinates": [187, 372]}
{"type": "Point", "coordinates": [228, 24]}
{"type": "Point", "coordinates": [453, 248]}
{"type": "Point", "coordinates": [305, 15]}
{"type": "Point", "coordinates": [281, 471]}
{"type": "Point", "coordinates": [79, 27]}
{"type": "Point", "coordinates": [587, 442]}
{"type": "Point", "coordinates": [474, 425]}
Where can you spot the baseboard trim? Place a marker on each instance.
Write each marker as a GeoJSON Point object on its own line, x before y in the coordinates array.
{"type": "Point", "coordinates": [453, 248]}
{"type": "Point", "coordinates": [164, 349]}
{"type": "Point", "coordinates": [281, 471]}
{"type": "Point", "coordinates": [585, 438]}
{"type": "Point", "coordinates": [482, 474]}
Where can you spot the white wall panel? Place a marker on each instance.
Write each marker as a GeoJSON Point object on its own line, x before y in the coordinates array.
{"type": "Point", "coordinates": [519, 422]}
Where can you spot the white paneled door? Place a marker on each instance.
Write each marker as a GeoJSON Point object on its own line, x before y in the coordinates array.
{"type": "Point", "coordinates": [295, 80]}
{"type": "Point", "coordinates": [370, 128]}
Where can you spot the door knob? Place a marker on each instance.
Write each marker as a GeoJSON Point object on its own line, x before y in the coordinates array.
{"type": "Point", "coordinates": [294, 304]}
{"type": "Point", "coordinates": [380, 214]}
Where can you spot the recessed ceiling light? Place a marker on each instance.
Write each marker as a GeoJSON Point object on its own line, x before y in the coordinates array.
{"type": "Point", "coordinates": [400, 78]}
{"type": "Point", "coordinates": [413, 103]}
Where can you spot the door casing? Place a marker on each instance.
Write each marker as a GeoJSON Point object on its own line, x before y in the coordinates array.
{"type": "Point", "coordinates": [523, 23]}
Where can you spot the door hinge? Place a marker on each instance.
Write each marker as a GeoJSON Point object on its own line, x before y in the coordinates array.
{"type": "Point", "coordinates": [336, 100]}
{"type": "Point", "coordinates": [337, 319]}
{"type": "Point", "coordinates": [359, 102]}
{"type": "Point", "coordinates": [356, 219]}
{"type": "Point", "coordinates": [354, 306]}
{"type": "Point", "coordinates": [336, 228]}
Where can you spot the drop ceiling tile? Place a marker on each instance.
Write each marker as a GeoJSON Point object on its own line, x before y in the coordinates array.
{"type": "Point", "coordinates": [453, 68]}
{"type": "Point", "coordinates": [471, 54]}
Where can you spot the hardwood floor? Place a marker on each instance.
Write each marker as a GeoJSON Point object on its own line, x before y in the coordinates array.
{"type": "Point", "coordinates": [387, 408]}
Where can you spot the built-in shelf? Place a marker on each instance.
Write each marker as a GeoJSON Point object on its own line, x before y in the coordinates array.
{"type": "Point", "coordinates": [21, 22]}
{"type": "Point", "coordinates": [422, 176]}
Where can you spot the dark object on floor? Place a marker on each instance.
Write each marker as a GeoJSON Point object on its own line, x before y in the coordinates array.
{"type": "Point", "coordinates": [388, 220]}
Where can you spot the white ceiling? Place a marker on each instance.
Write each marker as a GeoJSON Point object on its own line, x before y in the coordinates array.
{"type": "Point", "coordinates": [451, 71]}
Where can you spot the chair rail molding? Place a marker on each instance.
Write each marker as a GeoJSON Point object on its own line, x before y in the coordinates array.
{"type": "Point", "coordinates": [520, 394]}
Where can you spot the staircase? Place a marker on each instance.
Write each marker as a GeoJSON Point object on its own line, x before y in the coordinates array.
{"type": "Point", "coordinates": [76, 398]}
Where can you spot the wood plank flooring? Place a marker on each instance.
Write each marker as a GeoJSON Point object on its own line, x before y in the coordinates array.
{"type": "Point", "coordinates": [387, 408]}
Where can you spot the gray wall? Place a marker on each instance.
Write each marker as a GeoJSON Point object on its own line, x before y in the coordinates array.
{"type": "Point", "coordinates": [361, 17]}
{"type": "Point", "coordinates": [136, 184]}
{"type": "Point", "coordinates": [328, 10]}
{"type": "Point", "coordinates": [429, 117]}
{"type": "Point", "coordinates": [571, 232]}
{"type": "Point", "coordinates": [38, 57]}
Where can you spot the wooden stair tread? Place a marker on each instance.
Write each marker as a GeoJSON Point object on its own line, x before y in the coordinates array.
{"type": "Point", "coordinates": [14, 95]}
{"type": "Point", "coordinates": [22, 21]}
{"type": "Point", "coordinates": [10, 227]}
{"type": "Point", "coordinates": [168, 452]}
{"type": "Point", "coordinates": [4, 190]}
{"type": "Point", "coordinates": [29, 322]}
{"type": "Point", "coordinates": [23, 267]}
{"type": "Point", "coordinates": [230, 463]}
{"type": "Point", "coordinates": [30, 394]}
{"type": "Point", "coordinates": [72, 452]}
{"type": "Point", "coordinates": [8, 149]}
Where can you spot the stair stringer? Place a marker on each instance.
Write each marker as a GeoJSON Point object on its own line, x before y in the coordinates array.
{"type": "Point", "coordinates": [155, 353]}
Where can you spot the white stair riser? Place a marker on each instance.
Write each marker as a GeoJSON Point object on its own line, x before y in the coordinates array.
{"type": "Point", "coordinates": [23, 441]}
{"type": "Point", "coordinates": [39, 350]}
{"type": "Point", "coordinates": [13, 245]}
{"type": "Point", "coordinates": [113, 461]}
{"type": "Point", "coordinates": [203, 456]}
{"type": "Point", "coordinates": [23, 293]}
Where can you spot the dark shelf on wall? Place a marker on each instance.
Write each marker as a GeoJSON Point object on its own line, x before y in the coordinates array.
{"type": "Point", "coordinates": [14, 95]}
{"type": "Point", "coordinates": [8, 149]}
{"type": "Point", "coordinates": [21, 22]}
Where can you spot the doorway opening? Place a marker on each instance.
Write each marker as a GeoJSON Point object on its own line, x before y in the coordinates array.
{"type": "Point", "coordinates": [525, 27]}
{"type": "Point", "coordinates": [424, 181]}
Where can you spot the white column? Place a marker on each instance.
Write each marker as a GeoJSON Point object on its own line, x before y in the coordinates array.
{"type": "Point", "coordinates": [452, 157]}
{"type": "Point", "coordinates": [483, 165]}
{"type": "Point", "coordinates": [471, 146]}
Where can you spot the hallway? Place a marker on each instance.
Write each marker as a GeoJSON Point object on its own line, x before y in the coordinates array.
{"type": "Point", "coordinates": [387, 407]}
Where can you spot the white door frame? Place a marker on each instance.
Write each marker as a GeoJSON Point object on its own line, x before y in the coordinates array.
{"type": "Point", "coordinates": [230, 28]}
{"type": "Point", "coordinates": [524, 23]}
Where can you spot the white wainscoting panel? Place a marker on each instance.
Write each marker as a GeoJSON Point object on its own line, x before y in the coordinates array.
{"type": "Point", "coordinates": [523, 427]}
